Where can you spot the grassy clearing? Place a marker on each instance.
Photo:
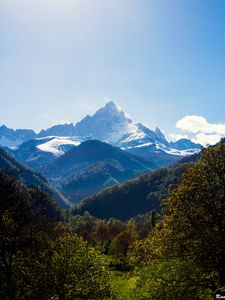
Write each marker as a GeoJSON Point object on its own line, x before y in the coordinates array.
{"type": "Point", "coordinates": [122, 285]}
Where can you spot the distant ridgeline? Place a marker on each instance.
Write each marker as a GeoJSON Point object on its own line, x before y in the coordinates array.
{"type": "Point", "coordinates": [108, 165]}
{"type": "Point", "coordinates": [109, 124]}
{"type": "Point", "coordinates": [100, 151]}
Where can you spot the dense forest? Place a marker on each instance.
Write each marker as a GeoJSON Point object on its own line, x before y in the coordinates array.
{"type": "Point", "coordinates": [176, 253]}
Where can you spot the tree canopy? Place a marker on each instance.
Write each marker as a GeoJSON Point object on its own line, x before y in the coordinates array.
{"type": "Point", "coordinates": [194, 224]}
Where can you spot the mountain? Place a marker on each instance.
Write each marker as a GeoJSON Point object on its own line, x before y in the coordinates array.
{"type": "Point", "coordinates": [136, 196]}
{"type": "Point", "coordinates": [41, 151]}
{"type": "Point", "coordinates": [92, 166]}
{"type": "Point", "coordinates": [90, 152]}
{"type": "Point", "coordinates": [141, 136]}
{"type": "Point", "coordinates": [157, 156]}
{"type": "Point", "coordinates": [58, 130]}
{"type": "Point", "coordinates": [99, 151]}
{"type": "Point", "coordinates": [13, 138]}
{"type": "Point", "coordinates": [29, 153]}
{"type": "Point", "coordinates": [94, 178]}
{"type": "Point", "coordinates": [20, 200]}
{"type": "Point", "coordinates": [29, 177]}
{"type": "Point", "coordinates": [110, 124]}
{"type": "Point", "coordinates": [184, 144]}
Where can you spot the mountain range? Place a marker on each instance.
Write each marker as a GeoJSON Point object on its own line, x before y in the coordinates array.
{"type": "Point", "coordinates": [139, 195]}
{"type": "Point", "coordinates": [136, 196]}
{"type": "Point", "coordinates": [101, 150]}
{"type": "Point", "coordinates": [80, 172]}
{"type": "Point", "coordinates": [13, 138]}
{"type": "Point", "coordinates": [109, 124]}
{"type": "Point", "coordinates": [91, 166]}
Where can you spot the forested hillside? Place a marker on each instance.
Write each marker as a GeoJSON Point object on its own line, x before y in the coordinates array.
{"type": "Point", "coordinates": [29, 177]}
{"type": "Point", "coordinates": [137, 196]}
{"type": "Point", "coordinates": [46, 253]}
{"type": "Point", "coordinates": [92, 166]}
{"type": "Point", "coordinates": [39, 257]}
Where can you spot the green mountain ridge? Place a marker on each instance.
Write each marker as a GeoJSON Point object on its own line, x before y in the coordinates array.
{"type": "Point", "coordinates": [92, 166]}
{"type": "Point", "coordinates": [29, 177]}
{"type": "Point", "coordinates": [94, 178]}
{"type": "Point", "coordinates": [136, 196]}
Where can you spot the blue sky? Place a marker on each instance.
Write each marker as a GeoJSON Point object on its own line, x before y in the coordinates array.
{"type": "Point", "coordinates": [159, 60]}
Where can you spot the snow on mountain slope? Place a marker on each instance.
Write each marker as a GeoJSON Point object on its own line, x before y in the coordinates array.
{"type": "Point", "coordinates": [58, 145]}
{"type": "Point", "coordinates": [138, 136]}
{"type": "Point", "coordinates": [176, 152]}
{"type": "Point", "coordinates": [155, 141]}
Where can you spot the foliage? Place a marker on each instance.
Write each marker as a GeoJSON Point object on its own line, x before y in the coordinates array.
{"type": "Point", "coordinates": [120, 244]}
{"type": "Point", "coordinates": [77, 270]}
{"type": "Point", "coordinates": [50, 256]}
{"type": "Point", "coordinates": [194, 225]}
{"type": "Point", "coordinates": [27, 220]}
{"type": "Point", "coordinates": [39, 257]}
{"type": "Point", "coordinates": [112, 236]}
{"type": "Point", "coordinates": [143, 252]}
{"type": "Point", "coordinates": [173, 279]}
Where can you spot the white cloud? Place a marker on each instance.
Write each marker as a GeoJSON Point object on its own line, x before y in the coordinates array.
{"type": "Point", "coordinates": [207, 139]}
{"type": "Point", "coordinates": [197, 124]}
{"type": "Point", "coordinates": [200, 130]}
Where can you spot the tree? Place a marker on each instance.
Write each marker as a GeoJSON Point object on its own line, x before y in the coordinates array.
{"type": "Point", "coordinates": [27, 220]}
{"type": "Point", "coordinates": [39, 257]}
{"type": "Point", "coordinates": [143, 253]}
{"type": "Point", "coordinates": [77, 270]}
{"type": "Point", "coordinates": [194, 224]}
{"type": "Point", "coordinates": [172, 279]}
{"type": "Point", "coordinates": [121, 243]}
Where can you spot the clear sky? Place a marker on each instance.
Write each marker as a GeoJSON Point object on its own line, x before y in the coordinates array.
{"type": "Point", "coordinates": [160, 60]}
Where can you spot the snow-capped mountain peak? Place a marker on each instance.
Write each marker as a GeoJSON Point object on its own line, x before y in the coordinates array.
{"type": "Point", "coordinates": [111, 106]}
{"type": "Point", "coordinates": [113, 112]}
{"type": "Point", "coordinates": [109, 124]}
